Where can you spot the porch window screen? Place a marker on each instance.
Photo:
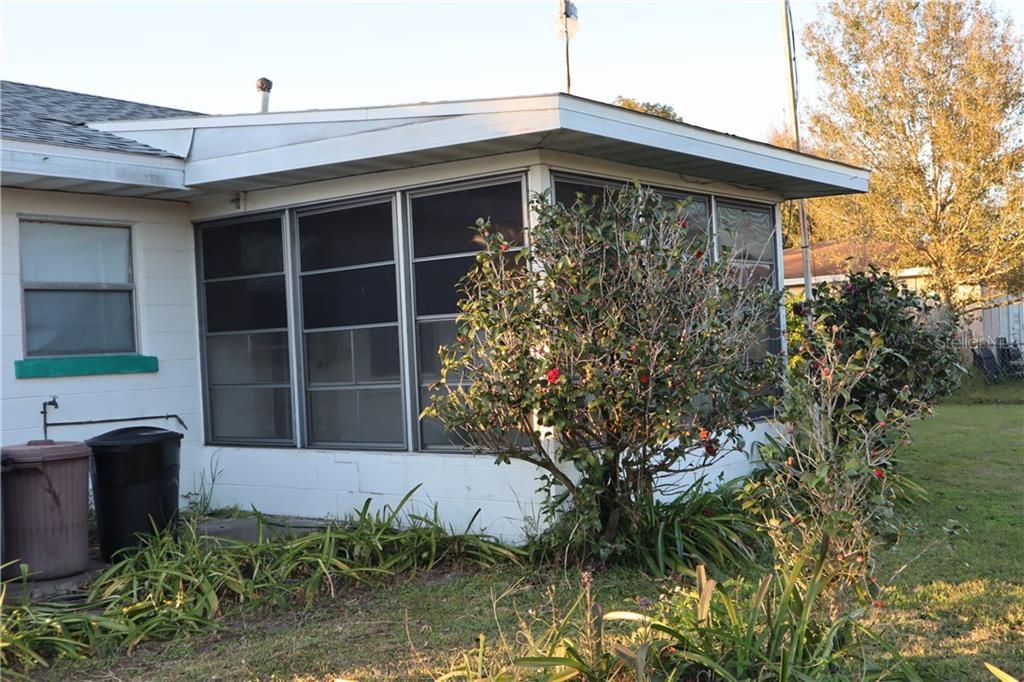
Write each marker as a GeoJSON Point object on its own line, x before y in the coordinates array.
{"type": "Point", "coordinates": [747, 232]}
{"type": "Point", "coordinates": [245, 324]}
{"type": "Point", "coordinates": [348, 282]}
{"type": "Point", "coordinates": [444, 247]}
{"type": "Point", "coordinates": [570, 189]}
{"type": "Point", "coordinates": [78, 289]}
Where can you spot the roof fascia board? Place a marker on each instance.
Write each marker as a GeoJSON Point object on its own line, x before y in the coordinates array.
{"type": "Point", "coordinates": [54, 161]}
{"type": "Point", "coordinates": [376, 143]}
{"type": "Point", "coordinates": [600, 119]}
{"type": "Point", "coordinates": [489, 106]}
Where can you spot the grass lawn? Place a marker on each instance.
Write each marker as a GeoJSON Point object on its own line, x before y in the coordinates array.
{"type": "Point", "coordinates": [960, 604]}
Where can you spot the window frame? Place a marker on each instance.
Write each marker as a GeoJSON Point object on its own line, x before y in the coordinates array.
{"type": "Point", "coordinates": [414, 383]}
{"type": "Point", "coordinates": [204, 333]}
{"type": "Point", "coordinates": [31, 285]}
{"type": "Point", "coordinates": [303, 386]}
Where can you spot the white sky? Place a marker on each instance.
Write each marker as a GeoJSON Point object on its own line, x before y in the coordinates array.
{"type": "Point", "coordinates": [720, 64]}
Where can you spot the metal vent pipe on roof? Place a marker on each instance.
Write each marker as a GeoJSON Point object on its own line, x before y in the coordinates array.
{"type": "Point", "coordinates": [263, 85]}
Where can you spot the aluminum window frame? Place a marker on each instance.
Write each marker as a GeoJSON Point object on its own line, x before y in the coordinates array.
{"type": "Point", "coordinates": [201, 281]}
{"type": "Point", "coordinates": [415, 383]}
{"type": "Point", "coordinates": [303, 384]}
{"type": "Point", "coordinates": [32, 285]}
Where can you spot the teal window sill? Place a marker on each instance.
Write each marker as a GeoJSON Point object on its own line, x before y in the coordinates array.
{"type": "Point", "coordinates": [85, 365]}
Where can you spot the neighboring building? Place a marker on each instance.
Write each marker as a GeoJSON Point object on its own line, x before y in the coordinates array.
{"type": "Point", "coordinates": [832, 259]}
{"type": "Point", "coordinates": [282, 280]}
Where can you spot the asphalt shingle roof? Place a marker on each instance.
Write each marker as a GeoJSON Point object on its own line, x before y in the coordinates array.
{"type": "Point", "coordinates": [33, 113]}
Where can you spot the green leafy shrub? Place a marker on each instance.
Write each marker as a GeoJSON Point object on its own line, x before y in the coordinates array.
{"type": "Point", "coordinates": [610, 353]}
{"type": "Point", "coordinates": [702, 525]}
{"type": "Point", "coordinates": [834, 473]}
{"type": "Point", "coordinates": [172, 585]}
{"type": "Point", "coordinates": [871, 307]}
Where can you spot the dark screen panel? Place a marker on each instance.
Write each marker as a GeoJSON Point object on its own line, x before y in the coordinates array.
{"type": "Point", "coordinates": [250, 248]}
{"type": "Point", "coordinates": [350, 236]}
{"type": "Point", "coordinates": [446, 223]}
{"type": "Point", "coordinates": [246, 304]}
{"type": "Point", "coordinates": [350, 298]}
{"type": "Point", "coordinates": [436, 284]}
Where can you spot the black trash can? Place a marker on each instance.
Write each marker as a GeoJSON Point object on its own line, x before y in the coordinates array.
{"type": "Point", "coordinates": [135, 484]}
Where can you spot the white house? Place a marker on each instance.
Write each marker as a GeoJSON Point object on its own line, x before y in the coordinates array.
{"type": "Point", "coordinates": [281, 281]}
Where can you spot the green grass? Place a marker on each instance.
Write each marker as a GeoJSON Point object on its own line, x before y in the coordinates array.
{"type": "Point", "coordinates": [962, 602]}
{"type": "Point", "coordinates": [955, 607]}
{"type": "Point", "coordinates": [415, 630]}
{"type": "Point", "coordinates": [975, 389]}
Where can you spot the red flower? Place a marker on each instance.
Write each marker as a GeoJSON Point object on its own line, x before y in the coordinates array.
{"type": "Point", "coordinates": [698, 254]}
{"type": "Point", "coordinates": [881, 425]}
{"type": "Point", "coordinates": [878, 473]}
{"type": "Point", "coordinates": [790, 461]}
{"type": "Point", "coordinates": [704, 434]}
{"type": "Point", "coordinates": [878, 604]}
{"type": "Point", "coordinates": [553, 375]}
{"type": "Point", "coordinates": [644, 379]}
{"type": "Point", "coordinates": [708, 513]}
{"type": "Point", "coordinates": [710, 448]}
{"type": "Point", "coordinates": [460, 338]}
{"type": "Point", "coordinates": [504, 248]}
{"type": "Point", "coordinates": [684, 223]}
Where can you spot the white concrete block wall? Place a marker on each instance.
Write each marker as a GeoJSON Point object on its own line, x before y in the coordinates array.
{"type": "Point", "coordinates": [163, 260]}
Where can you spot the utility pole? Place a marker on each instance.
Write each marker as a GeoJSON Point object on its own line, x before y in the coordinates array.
{"type": "Point", "coordinates": [805, 235]}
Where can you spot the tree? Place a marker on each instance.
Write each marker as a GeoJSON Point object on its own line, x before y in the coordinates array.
{"type": "Point", "coordinates": [610, 353]}
{"type": "Point", "coordinates": [930, 96]}
{"type": "Point", "coordinates": [655, 108]}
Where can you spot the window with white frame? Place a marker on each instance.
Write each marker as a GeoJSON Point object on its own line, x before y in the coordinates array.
{"type": "Point", "coordinates": [77, 288]}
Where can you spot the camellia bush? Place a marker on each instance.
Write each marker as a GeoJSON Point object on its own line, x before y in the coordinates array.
{"type": "Point", "coordinates": [610, 353]}
{"type": "Point", "coordinates": [832, 474]}
{"type": "Point", "coordinates": [872, 307]}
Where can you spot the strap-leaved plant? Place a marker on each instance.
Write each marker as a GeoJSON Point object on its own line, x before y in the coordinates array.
{"type": "Point", "coordinates": [611, 353]}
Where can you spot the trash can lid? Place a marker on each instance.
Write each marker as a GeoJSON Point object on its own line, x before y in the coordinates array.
{"type": "Point", "coordinates": [36, 451]}
{"type": "Point", "coordinates": [133, 435]}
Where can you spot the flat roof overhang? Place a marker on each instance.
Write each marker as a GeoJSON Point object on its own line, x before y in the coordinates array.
{"type": "Point", "coordinates": [259, 151]}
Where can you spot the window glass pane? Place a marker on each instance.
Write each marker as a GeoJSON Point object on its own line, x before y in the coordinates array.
{"type": "Point", "coordinates": [75, 253]}
{"type": "Point", "coordinates": [430, 337]}
{"type": "Point", "coordinates": [376, 353]}
{"type": "Point", "coordinates": [247, 358]}
{"type": "Point", "coordinates": [432, 431]}
{"type": "Point", "coordinates": [698, 223]}
{"type": "Point", "coordinates": [752, 274]}
{"type": "Point", "coordinates": [351, 236]}
{"type": "Point", "coordinates": [446, 223]}
{"type": "Point", "coordinates": [329, 357]}
{"type": "Point", "coordinates": [78, 322]}
{"type": "Point", "coordinates": [350, 297]}
{"type": "Point", "coordinates": [367, 415]}
{"type": "Point", "coordinates": [436, 281]}
{"type": "Point", "coordinates": [246, 304]}
{"type": "Point", "coordinates": [250, 413]}
{"type": "Point", "coordinates": [566, 192]}
{"type": "Point", "coordinates": [250, 248]}
{"type": "Point", "coordinates": [746, 230]}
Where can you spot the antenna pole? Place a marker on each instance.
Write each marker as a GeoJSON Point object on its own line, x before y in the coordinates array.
{"type": "Point", "coordinates": [805, 235]}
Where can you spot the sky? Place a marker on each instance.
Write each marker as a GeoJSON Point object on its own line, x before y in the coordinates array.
{"type": "Point", "coordinates": [721, 64]}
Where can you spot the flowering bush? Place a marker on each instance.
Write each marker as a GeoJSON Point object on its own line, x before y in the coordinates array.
{"type": "Point", "coordinates": [610, 353]}
{"type": "Point", "coordinates": [832, 473]}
